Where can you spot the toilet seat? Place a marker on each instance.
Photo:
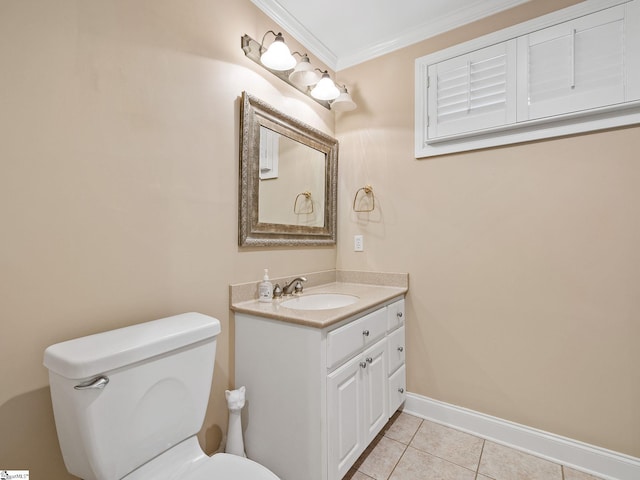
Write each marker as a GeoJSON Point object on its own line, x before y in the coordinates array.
{"type": "Point", "coordinates": [224, 466]}
{"type": "Point", "coordinates": [187, 461]}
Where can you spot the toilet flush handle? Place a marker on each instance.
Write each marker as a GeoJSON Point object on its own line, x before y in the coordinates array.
{"type": "Point", "coordinates": [98, 382]}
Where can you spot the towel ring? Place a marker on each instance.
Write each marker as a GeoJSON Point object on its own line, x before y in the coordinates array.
{"type": "Point", "coordinates": [368, 190]}
{"type": "Point", "coordinates": [306, 195]}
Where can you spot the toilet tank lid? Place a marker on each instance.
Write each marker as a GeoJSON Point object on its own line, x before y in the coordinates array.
{"type": "Point", "coordinates": [96, 354]}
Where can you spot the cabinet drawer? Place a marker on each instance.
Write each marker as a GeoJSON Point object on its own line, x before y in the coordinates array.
{"type": "Point", "coordinates": [346, 341]}
{"type": "Point", "coordinates": [397, 389]}
{"type": "Point", "coordinates": [396, 349]}
{"type": "Point", "coordinates": [395, 315]}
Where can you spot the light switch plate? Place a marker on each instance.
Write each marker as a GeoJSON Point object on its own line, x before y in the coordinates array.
{"type": "Point", "coordinates": [358, 243]}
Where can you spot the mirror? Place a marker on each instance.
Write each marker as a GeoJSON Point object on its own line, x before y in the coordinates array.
{"type": "Point", "coordinates": [288, 179]}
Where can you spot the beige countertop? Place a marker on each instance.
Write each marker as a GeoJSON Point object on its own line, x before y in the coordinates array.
{"type": "Point", "coordinates": [369, 296]}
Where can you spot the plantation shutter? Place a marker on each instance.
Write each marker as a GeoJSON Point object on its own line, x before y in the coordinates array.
{"type": "Point", "coordinates": [269, 153]}
{"type": "Point", "coordinates": [472, 92]}
{"type": "Point", "coordinates": [574, 66]}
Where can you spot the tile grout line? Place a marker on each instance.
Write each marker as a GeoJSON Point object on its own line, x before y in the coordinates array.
{"type": "Point", "coordinates": [480, 458]}
{"type": "Point", "coordinates": [396, 464]}
{"type": "Point", "coordinates": [448, 460]}
{"type": "Point", "coordinates": [406, 446]}
{"type": "Point", "coordinates": [416, 432]}
{"type": "Point", "coordinates": [479, 463]}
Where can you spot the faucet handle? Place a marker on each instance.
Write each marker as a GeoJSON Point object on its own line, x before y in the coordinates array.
{"type": "Point", "coordinates": [277, 291]}
{"type": "Point", "coordinates": [298, 287]}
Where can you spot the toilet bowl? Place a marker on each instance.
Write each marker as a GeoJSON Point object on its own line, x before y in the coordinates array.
{"type": "Point", "coordinates": [128, 403]}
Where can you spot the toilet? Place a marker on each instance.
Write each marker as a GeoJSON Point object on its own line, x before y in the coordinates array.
{"type": "Point", "coordinates": [128, 403]}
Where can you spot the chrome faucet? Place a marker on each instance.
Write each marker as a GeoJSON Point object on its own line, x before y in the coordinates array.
{"type": "Point", "coordinates": [294, 285]}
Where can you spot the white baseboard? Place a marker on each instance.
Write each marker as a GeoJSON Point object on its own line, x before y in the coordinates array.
{"type": "Point", "coordinates": [581, 456]}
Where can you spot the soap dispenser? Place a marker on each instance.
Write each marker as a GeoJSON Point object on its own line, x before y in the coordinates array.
{"type": "Point", "coordinates": [265, 289]}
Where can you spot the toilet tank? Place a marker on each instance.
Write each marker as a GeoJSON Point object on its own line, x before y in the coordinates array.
{"type": "Point", "coordinates": [154, 394]}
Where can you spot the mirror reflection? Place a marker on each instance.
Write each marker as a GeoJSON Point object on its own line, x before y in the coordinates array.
{"type": "Point", "coordinates": [292, 182]}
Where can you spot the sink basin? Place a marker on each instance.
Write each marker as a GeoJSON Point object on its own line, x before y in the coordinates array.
{"type": "Point", "coordinates": [320, 301]}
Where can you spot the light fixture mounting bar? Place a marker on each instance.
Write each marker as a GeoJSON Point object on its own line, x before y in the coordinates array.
{"type": "Point", "coordinates": [251, 49]}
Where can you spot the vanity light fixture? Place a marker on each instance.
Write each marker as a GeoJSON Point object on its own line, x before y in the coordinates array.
{"type": "Point", "coordinates": [325, 89]}
{"type": "Point", "coordinates": [344, 102]}
{"type": "Point", "coordinates": [304, 74]}
{"type": "Point", "coordinates": [277, 56]}
{"type": "Point", "coordinates": [301, 75]}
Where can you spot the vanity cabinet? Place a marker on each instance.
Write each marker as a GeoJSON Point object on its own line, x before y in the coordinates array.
{"type": "Point", "coordinates": [316, 397]}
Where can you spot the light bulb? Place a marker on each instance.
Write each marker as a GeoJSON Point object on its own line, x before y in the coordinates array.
{"type": "Point", "coordinates": [304, 74]}
{"type": "Point", "coordinates": [278, 56]}
{"type": "Point", "coordinates": [344, 102]}
{"type": "Point", "coordinates": [325, 89]}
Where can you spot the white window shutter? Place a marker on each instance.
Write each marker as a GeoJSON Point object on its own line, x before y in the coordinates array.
{"type": "Point", "coordinates": [574, 66]}
{"type": "Point", "coordinates": [269, 153]}
{"type": "Point", "coordinates": [472, 92]}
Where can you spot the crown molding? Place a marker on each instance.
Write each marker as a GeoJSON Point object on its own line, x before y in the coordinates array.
{"type": "Point", "coordinates": [282, 17]}
{"type": "Point", "coordinates": [477, 10]}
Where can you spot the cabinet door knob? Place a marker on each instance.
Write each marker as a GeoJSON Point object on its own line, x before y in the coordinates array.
{"type": "Point", "coordinates": [363, 364]}
{"type": "Point", "coordinates": [399, 314]}
{"type": "Point", "coordinates": [365, 333]}
{"type": "Point", "coordinates": [401, 390]}
{"type": "Point", "coordinates": [369, 360]}
{"type": "Point", "coordinates": [401, 349]}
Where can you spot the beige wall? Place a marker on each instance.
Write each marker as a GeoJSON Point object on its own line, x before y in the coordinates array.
{"type": "Point", "coordinates": [118, 186]}
{"type": "Point", "coordinates": [524, 262]}
{"type": "Point", "coordinates": [118, 189]}
{"type": "Point", "coordinates": [300, 169]}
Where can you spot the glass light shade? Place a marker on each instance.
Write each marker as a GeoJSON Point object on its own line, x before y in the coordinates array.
{"type": "Point", "coordinates": [344, 102]}
{"type": "Point", "coordinates": [325, 89]}
{"type": "Point", "coordinates": [278, 56]}
{"type": "Point", "coordinates": [304, 74]}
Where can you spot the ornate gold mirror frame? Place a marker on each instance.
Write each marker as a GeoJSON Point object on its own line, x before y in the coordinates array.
{"type": "Point", "coordinates": [254, 228]}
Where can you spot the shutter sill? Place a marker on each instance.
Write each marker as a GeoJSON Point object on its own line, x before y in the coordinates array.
{"type": "Point", "coordinates": [513, 127]}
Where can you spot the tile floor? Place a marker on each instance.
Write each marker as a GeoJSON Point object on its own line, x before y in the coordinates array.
{"type": "Point", "coordinates": [410, 448]}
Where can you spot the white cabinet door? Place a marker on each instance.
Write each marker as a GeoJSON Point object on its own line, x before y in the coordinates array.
{"type": "Point", "coordinates": [472, 92]}
{"type": "Point", "coordinates": [375, 387]}
{"type": "Point", "coordinates": [345, 417]}
{"type": "Point", "coordinates": [357, 398]}
{"type": "Point", "coordinates": [572, 67]}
